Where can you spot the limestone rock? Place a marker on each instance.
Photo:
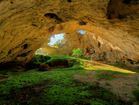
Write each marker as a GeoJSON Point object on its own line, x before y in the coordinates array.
{"type": "Point", "coordinates": [26, 24]}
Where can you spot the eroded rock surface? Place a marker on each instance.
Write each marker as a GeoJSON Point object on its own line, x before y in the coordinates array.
{"type": "Point", "coordinates": [112, 25]}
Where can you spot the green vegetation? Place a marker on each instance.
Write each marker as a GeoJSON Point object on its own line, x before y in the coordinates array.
{"type": "Point", "coordinates": [77, 52]}
{"type": "Point", "coordinates": [38, 59]}
{"type": "Point", "coordinates": [59, 86]}
{"type": "Point", "coordinates": [106, 75]}
{"type": "Point", "coordinates": [61, 89]}
{"type": "Point", "coordinates": [97, 102]}
{"type": "Point", "coordinates": [118, 64]}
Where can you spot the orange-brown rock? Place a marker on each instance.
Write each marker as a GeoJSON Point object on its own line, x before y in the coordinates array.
{"type": "Point", "coordinates": [112, 26]}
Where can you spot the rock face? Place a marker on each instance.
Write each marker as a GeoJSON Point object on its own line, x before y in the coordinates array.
{"type": "Point", "coordinates": [112, 27]}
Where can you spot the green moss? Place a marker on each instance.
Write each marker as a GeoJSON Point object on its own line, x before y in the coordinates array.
{"type": "Point", "coordinates": [108, 75]}
{"type": "Point", "coordinates": [18, 81]}
{"type": "Point", "coordinates": [61, 95]}
{"type": "Point", "coordinates": [98, 102]}
{"type": "Point", "coordinates": [38, 59]}
{"type": "Point", "coordinates": [62, 88]}
{"type": "Point", "coordinates": [77, 52]}
{"type": "Point", "coordinates": [118, 64]}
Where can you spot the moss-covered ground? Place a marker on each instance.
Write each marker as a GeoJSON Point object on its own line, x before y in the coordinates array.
{"type": "Point", "coordinates": [75, 85]}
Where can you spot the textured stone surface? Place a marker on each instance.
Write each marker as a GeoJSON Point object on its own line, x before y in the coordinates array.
{"type": "Point", "coordinates": [113, 27]}
{"type": "Point", "coordinates": [110, 46]}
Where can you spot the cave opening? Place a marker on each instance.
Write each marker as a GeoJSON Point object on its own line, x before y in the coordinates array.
{"type": "Point", "coordinates": [56, 40]}
{"type": "Point", "coordinates": [81, 32]}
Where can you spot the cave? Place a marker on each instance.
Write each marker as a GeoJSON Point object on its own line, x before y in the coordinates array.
{"type": "Point", "coordinates": [48, 22]}
{"type": "Point", "coordinates": [69, 52]}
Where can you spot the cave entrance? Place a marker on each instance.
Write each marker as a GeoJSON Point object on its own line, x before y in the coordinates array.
{"type": "Point", "coordinates": [61, 43]}
{"type": "Point", "coordinates": [54, 42]}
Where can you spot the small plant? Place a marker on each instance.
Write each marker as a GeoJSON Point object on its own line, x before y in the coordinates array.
{"type": "Point", "coordinates": [77, 52]}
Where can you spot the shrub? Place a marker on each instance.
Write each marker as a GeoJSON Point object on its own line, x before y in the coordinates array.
{"type": "Point", "coordinates": [39, 59]}
{"type": "Point", "coordinates": [77, 52]}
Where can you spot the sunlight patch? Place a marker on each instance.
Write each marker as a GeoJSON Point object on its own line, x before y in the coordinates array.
{"type": "Point", "coordinates": [40, 52]}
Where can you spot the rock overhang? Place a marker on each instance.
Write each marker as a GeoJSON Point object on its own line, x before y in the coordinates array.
{"type": "Point", "coordinates": [25, 25]}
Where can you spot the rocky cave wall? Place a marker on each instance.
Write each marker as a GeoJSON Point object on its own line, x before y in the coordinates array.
{"type": "Point", "coordinates": [26, 24]}
{"type": "Point", "coordinates": [108, 45]}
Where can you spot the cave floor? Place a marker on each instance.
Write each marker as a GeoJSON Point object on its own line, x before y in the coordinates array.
{"type": "Point", "coordinates": [85, 83]}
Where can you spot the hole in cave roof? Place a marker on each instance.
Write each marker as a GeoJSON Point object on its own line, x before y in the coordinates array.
{"type": "Point", "coordinates": [56, 40]}
{"type": "Point", "coordinates": [81, 32]}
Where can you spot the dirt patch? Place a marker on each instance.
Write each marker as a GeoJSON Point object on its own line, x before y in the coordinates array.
{"type": "Point", "coordinates": [121, 86]}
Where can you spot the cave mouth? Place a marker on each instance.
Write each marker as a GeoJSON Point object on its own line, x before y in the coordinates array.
{"type": "Point", "coordinates": [55, 41]}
